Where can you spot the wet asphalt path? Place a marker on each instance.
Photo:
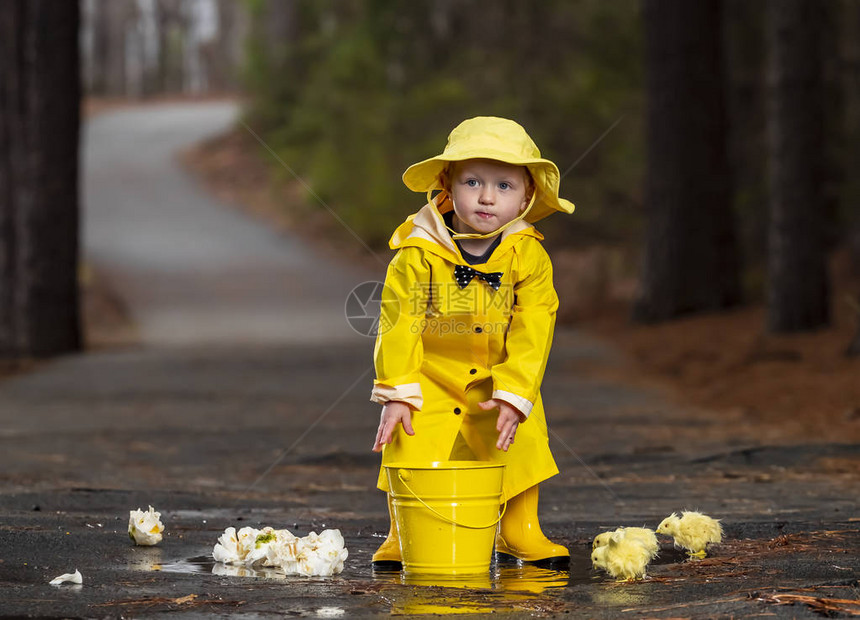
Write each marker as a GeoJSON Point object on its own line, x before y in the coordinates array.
{"type": "Point", "coordinates": [218, 426]}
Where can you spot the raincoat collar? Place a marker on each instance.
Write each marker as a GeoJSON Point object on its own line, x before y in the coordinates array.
{"type": "Point", "coordinates": [427, 229]}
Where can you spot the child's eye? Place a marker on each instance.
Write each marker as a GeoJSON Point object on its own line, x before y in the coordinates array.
{"type": "Point", "coordinates": [504, 185]}
{"type": "Point", "coordinates": [472, 183]}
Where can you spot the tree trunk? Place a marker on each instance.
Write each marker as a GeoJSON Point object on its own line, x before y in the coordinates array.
{"type": "Point", "coordinates": [39, 121]}
{"type": "Point", "coordinates": [691, 260]}
{"type": "Point", "coordinates": [745, 59]}
{"type": "Point", "coordinates": [223, 53]}
{"type": "Point", "coordinates": [835, 121]}
{"type": "Point", "coordinates": [172, 34]}
{"type": "Point", "coordinates": [798, 286]}
{"type": "Point", "coordinates": [854, 347]}
{"type": "Point", "coordinates": [94, 53]}
{"type": "Point", "coordinates": [118, 14]}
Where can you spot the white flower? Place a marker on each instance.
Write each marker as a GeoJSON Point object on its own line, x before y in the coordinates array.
{"type": "Point", "coordinates": [283, 552]}
{"type": "Point", "coordinates": [229, 570]}
{"type": "Point", "coordinates": [247, 540]}
{"type": "Point", "coordinates": [233, 547]}
{"type": "Point", "coordinates": [226, 550]}
{"type": "Point", "coordinates": [145, 528]}
{"type": "Point", "coordinates": [322, 554]}
{"type": "Point", "coordinates": [260, 547]}
{"type": "Point", "coordinates": [315, 554]}
{"type": "Point", "coordinates": [75, 577]}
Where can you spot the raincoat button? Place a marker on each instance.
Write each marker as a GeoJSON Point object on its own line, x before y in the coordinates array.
{"type": "Point", "coordinates": [473, 371]}
{"type": "Point", "coordinates": [457, 410]}
{"type": "Point", "coordinates": [478, 330]}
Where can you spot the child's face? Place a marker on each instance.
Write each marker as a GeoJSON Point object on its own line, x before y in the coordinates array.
{"type": "Point", "coordinates": [487, 194]}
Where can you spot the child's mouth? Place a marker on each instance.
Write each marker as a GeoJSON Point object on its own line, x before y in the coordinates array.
{"type": "Point", "coordinates": [484, 215]}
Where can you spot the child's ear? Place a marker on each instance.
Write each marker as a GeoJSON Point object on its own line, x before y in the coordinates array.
{"type": "Point", "coordinates": [530, 190]}
{"type": "Point", "coordinates": [445, 178]}
{"type": "Point", "coordinates": [526, 199]}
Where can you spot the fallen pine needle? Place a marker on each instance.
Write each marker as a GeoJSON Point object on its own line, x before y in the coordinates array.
{"type": "Point", "coordinates": [838, 605]}
{"type": "Point", "coordinates": [185, 599]}
{"type": "Point", "coordinates": [189, 601]}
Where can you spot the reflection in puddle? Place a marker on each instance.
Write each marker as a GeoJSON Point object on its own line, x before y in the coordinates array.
{"type": "Point", "coordinates": [145, 558]}
{"type": "Point", "coordinates": [203, 564]}
{"type": "Point", "coordinates": [206, 565]}
{"type": "Point", "coordinates": [506, 587]}
{"type": "Point", "coordinates": [532, 579]}
{"type": "Point", "coordinates": [228, 570]}
{"type": "Point", "coordinates": [508, 578]}
{"type": "Point", "coordinates": [200, 564]}
{"type": "Point", "coordinates": [612, 594]}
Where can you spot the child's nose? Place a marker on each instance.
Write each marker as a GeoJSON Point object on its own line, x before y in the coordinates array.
{"type": "Point", "coordinates": [487, 197]}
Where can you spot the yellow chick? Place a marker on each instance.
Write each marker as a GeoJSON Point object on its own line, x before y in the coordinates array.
{"type": "Point", "coordinates": [647, 537]}
{"type": "Point", "coordinates": [602, 539]}
{"type": "Point", "coordinates": [693, 531]}
{"type": "Point", "coordinates": [622, 557]}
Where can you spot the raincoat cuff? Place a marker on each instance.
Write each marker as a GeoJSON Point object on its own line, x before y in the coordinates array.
{"type": "Point", "coordinates": [409, 393]}
{"type": "Point", "coordinates": [523, 405]}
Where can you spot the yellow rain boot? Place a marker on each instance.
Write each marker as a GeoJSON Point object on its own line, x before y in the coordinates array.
{"type": "Point", "coordinates": [520, 536]}
{"type": "Point", "coordinates": [387, 557]}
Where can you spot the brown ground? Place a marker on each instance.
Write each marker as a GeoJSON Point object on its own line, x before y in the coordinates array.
{"type": "Point", "coordinates": [798, 386]}
{"type": "Point", "coordinates": [105, 317]}
{"type": "Point", "coordinates": [792, 386]}
{"type": "Point", "coordinates": [93, 106]}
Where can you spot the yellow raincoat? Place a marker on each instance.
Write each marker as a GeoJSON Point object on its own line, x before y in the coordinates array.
{"type": "Point", "coordinates": [443, 349]}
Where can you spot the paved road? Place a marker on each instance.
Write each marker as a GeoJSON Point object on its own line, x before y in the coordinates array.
{"type": "Point", "coordinates": [218, 430]}
{"type": "Point", "coordinates": [214, 437]}
{"type": "Point", "coordinates": [195, 271]}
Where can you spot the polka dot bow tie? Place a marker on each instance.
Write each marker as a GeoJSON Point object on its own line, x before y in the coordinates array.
{"type": "Point", "coordinates": [463, 275]}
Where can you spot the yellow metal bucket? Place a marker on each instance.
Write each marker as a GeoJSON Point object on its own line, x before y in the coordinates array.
{"type": "Point", "coordinates": [446, 514]}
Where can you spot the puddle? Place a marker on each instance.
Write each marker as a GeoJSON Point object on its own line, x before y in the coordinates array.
{"type": "Point", "coordinates": [203, 565]}
{"type": "Point", "coordinates": [199, 564]}
{"type": "Point", "coordinates": [504, 588]}
{"type": "Point", "coordinates": [515, 588]}
{"type": "Point", "coordinates": [501, 577]}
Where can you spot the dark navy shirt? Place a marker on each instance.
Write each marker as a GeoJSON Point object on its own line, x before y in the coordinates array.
{"type": "Point", "coordinates": [472, 259]}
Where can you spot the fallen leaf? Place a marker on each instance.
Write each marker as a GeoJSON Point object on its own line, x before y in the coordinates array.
{"type": "Point", "coordinates": [185, 599]}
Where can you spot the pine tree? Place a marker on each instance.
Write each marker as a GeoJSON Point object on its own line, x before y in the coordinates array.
{"type": "Point", "coordinates": [39, 125]}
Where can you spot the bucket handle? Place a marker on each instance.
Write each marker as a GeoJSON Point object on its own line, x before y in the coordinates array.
{"type": "Point", "coordinates": [449, 519]}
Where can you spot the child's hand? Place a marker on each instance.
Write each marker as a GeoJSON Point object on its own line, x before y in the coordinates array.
{"type": "Point", "coordinates": [393, 413]}
{"type": "Point", "coordinates": [509, 419]}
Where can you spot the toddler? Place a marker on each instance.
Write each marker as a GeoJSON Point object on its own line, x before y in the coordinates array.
{"type": "Point", "coordinates": [466, 324]}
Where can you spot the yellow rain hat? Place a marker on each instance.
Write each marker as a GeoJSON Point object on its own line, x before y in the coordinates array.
{"type": "Point", "coordinates": [501, 139]}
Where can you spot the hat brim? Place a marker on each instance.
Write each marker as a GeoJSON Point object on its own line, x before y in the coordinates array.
{"type": "Point", "coordinates": [425, 176]}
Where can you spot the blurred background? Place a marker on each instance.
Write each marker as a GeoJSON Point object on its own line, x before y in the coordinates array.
{"type": "Point", "coordinates": [710, 148]}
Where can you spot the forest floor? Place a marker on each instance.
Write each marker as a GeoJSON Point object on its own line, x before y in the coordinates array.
{"type": "Point", "coordinates": [788, 385]}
